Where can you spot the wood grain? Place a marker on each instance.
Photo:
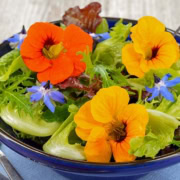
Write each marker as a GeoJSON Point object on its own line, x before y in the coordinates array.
{"type": "Point", "coordinates": [15, 13]}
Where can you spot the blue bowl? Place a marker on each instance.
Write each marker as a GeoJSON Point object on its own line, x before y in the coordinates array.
{"type": "Point", "coordinates": [78, 169]}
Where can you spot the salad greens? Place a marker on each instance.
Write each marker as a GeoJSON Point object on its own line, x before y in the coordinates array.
{"type": "Point", "coordinates": [108, 52]}
{"type": "Point", "coordinates": [31, 117]}
{"type": "Point", "coordinates": [25, 123]}
{"type": "Point", "coordinates": [160, 133]}
{"type": "Point", "coordinates": [59, 144]}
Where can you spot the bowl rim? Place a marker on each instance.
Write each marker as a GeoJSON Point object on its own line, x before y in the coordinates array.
{"type": "Point", "coordinates": [6, 135]}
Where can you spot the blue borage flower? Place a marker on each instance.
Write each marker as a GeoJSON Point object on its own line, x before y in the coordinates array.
{"type": "Point", "coordinates": [17, 39]}
{"type": "Point", "coordinates": [45, 92]}
{"type": "Point", "coordinates": [100, 37]}
{"type": "Point", "coordinates": [161, 87]}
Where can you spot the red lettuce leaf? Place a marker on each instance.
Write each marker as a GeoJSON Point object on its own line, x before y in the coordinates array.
{"type": "Point", "coordinates": [74, 82]}
{"type": "Point", "coordinates": [87, 18]}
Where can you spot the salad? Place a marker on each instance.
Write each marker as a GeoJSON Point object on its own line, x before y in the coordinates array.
{"type": "Point", "coordinates": [85, 91]}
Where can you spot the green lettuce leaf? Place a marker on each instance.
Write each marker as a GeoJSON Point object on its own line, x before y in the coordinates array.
{"type": "Point", "coordinates": [59, 145]}
{"type": "Point", "coordinates": [61, 113]}
{"type": "Point", "coordinates": [20, 101]}
{"type": "Point", "coordinates": [12, 91]}
{"type": "Point", "coordinates": [10, 63]}
{"type": "Point", "coordinates": [102, 27]}
{"type": "Point", "coordinates": [106, 79]}
{"type": "Point", "coordinates": [171, 108]}
{"type": "Point", "coordinates": [98, 70]}
{"type": "Point", "coordinates": [120, 31]}
{"type": "Point", "coordinates": [25, 123]}
{"type": "Point", "coordinates": [160, 134]}
{"type": "Point", "coordinates": [108, 52]}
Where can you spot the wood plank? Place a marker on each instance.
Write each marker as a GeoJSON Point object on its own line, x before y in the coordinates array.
{"type": "Point", "coordinates": [13, 14]}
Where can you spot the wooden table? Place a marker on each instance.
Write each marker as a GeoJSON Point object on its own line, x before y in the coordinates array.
{"type": "Point", "coordinates": [15, 13]}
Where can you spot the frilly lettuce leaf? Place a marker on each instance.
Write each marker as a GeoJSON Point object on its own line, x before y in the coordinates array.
{"type": "Point", "coordinates": [9, 63]}
{"type": "Point", "coordinates": [106, 80]}
{"type": "Point", "coordinates": [109, 76]}
{"type": "Point", "coordinates": [25, 123]}
{"type": "Point", "coordinates": [168, 107]}
{"type": "Point", "coordinates": [59, 144]}
{"type": "Point", "coordinates": [120, 31]}
{"type": "Point", "coordinates": [160, 134]}
{"type": "Point", "coordinates": [12, 91]}
{"type": "Point", "coordinates": [108, 52]}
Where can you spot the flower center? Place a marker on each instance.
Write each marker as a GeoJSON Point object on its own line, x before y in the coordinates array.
{"type": "Point", "coordinates": [154, 52]}
{"type": "Point", "coordinates": [160, 84]}
{"type": "Point", "coordinates": [52, 51]}
{"type": "Point", "coordinates": [151, 53]}
{"type": "Point", "coordinates": [116, 131]}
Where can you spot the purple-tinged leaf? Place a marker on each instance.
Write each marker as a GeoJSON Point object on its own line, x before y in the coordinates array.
{"type": "Point", "coordinates": [87, 18]}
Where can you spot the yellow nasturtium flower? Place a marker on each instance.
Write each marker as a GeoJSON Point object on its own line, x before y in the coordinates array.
{"type": "Point", "coordinates": [108, 124]}
{"type": "Point", "coordinates": [152, 47]}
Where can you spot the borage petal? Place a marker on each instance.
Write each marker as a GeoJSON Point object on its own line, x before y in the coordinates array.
{"type": "Point", "coordinates": [173, 82]}
{"type": "Point", "coordinates": [154, 94]}
{"type": "Point", "coordinates": [150, 90]}
{"type": "Point", "coordinates": [20, 43]}
{"type": "Point", "coordinates": [57, 96]}
{"type": "Point", "coordinates": [36, 96]}
{"type": "Point", "coordinates": [14, 39]}
{"type": "Point", "coordinates": [165, 93]}
{"type": "Point", "coordinates": [166, 77]}
{"type": "Point", "coordinates": [33, 89]}
{"type": "Point", "coordinates": [48, 103]}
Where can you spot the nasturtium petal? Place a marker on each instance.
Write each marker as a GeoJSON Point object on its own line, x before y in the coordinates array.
{"type": "Point", "coordinates": [120, 152]}
{"type": "Point", "coordinates": [136, 118]}
{"type": "Point", "coordinates": [28, 51]}
{"type": "Point", "coordinates": [108, 103]}
{"type": "Point", "coordinates": [97, 148]}
{"type": "Point", "coordinates": [83, 133]}
{"type": "Point", "coordinates": [84, 118]}
{"type": "Point", "coordinates": [146, 28]}
{"type": "Point", "coordinates": [75, 40]}
{"type": "Point", "coordinates": [41, 32]}
{"type": "Point", "coordinates": [38, 65]}
{"type": "Point", "coordinates": [154, 48]}
{"type": "Point", "coordinates": [131, 60]}
{"type": "Point", "coordinates": [79, 65]}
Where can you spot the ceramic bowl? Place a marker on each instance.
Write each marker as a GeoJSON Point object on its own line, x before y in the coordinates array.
{"type": "Point", "coordinates": [80, 169]}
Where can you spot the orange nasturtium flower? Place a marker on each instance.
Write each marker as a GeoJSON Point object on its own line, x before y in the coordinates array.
{"type": "Point", "coordinates": [108, 124]}
{"type": "Point", "coordinates": [52, 51]}
{"type": "Point", "coordinates": [152, 47]}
